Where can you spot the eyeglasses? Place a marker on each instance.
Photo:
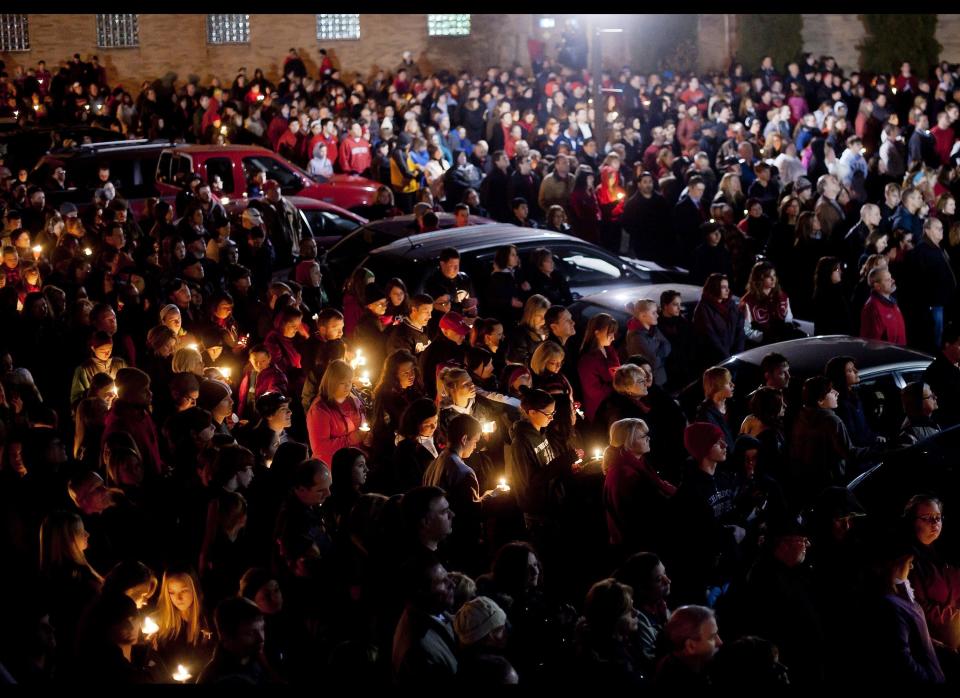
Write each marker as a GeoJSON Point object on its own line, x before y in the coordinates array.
{"type": "Point", "coordinates": [545, 414]}
{"type": "Point", "coordinates": [931, 519]}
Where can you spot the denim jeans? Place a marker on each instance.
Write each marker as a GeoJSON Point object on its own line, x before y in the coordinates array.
{"type": "Point", "coordinates": [936, 317]}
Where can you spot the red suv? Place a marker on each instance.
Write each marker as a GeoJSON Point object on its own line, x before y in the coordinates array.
{"type": "Point", "coordinates": [237, 164]}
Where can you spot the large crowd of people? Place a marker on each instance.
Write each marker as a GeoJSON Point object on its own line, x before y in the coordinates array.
{"type": "Point", "coordinates": [217, 469]}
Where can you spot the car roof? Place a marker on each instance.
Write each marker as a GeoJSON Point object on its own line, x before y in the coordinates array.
{"type": "Point", "coordinates": [808, 356]}
{"type": "Point", "coordinates": [471, 239]}
{"type": "Point", "coordinates": [207, 148]}
{"type": "Point", "coordinates": [398, 225]}
{"type": "Point", "coordinates": [617, 298]}
{"type": "Point", "coordinates": [307, 204]}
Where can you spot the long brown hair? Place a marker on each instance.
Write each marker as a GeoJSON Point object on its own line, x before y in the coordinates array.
{"type": "Point", "coordinates": [598, 323]}
{"type": "Point", "coordinates": [169, 618]}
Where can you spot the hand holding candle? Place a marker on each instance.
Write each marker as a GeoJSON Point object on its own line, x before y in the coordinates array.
{"type": "Point", "coordinates": [149, 626]}
{"type": "Point", "coordinates": [502, 485]}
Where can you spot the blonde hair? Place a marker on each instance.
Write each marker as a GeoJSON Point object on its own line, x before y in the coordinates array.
{"type": "Point", "coordinates": [628, 376]}
{"type": "Point", "coordinates": [534, 304]}
{"type": "Point", "coordinates": [639, 306]}
{"type": "Point", "coordinates": [59, 543]}
{"type": "Point", "coordinates": [546, 351]}
{"type": "Point", "coordinates": [625, 433]}
{"type": "Point", "coordinates": [447, 378]}
{"type": "Point", "coordinates": [169, 618]}
{"type": "Point", "coordinates": [713, 378]}
{"type": "Point", "coordinates": [187, 360]}
{"type": "Point", "coordinates": [337, 372]}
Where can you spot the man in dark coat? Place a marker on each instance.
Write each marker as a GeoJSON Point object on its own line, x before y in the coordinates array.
{"type": "Point", "coordinates": [494, 189]}
{"type": "Point", "coordinates": [646, 219]}
{"type": "Point", "coordinates": [688, 216]}
{"type": "Point", "coordinates": [943, 377]}
{"type": "Point", "coordinates": [932, 285]}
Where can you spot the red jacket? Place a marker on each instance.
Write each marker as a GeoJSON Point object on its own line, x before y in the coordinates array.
{"type": "Point", "coordinates": [596, 378]}
{"type": "Point", "coordinates": [331, 427]}
{"type": "Point", "coordinates": [137, 422]}
{"type": "Point", "coordinates": [881, 319]}
{"type": "Point", "coordinates": [585, 215]}
{"type": "Point", "coordinates": [943, 142]}
{"type": "Point", "coordinates": [355, 155]}
{"type": "Point", "coordinates": [333, 150]}
{"type": "Point", "coordinates": [633, 498]}
{"type": "Point", "coordinates": [270, 379]}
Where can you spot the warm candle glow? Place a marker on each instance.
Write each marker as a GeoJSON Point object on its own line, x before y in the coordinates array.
{"type": "Point", "coordinates": [225, 372]}
{"type": "Point", "coordinates": [195, 347]}
{"type": "Point", "coordinates": [365, 379]}
{"type": "Point", "coordinates": [181, 674]}
{"type": "Point", "coordinates": [225, 200]}
{"type": "Point", "coordinates": [502, 485]}
{"type": "Point", "coordinates": [489, 427]}
{"type": "Point", "coordinates": [37, 249]}
{"type": "Point", "coordinates": [598, 453]}
{"type": "Point", "coordinates": [149, 626]}
{"type": "Point", "coordinates": [364, 426]}
{"type": "Point", "coordinates": [87, 251]}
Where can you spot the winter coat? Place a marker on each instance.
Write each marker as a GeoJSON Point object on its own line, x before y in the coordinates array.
{"type": "Point", "coordinates": [332, 426]}
{"type": "Point", "coordinates": [718, 329]}
{"type": "Point", "coordinates": [596, 378]}
{"type": "Point", "coordinates": [881, 319]}
{"type": "Point", "coordinates": [652, 345]}
{"type": "Point", "coordinates": [634, 498]}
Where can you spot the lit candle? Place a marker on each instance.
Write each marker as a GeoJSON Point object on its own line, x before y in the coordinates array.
{"type": "Point", "coordinates": [37, 249]}
{"type": "Point", "coordinates": [87, 251]}
{"type": "Point", "coordinates": [225, 200]}
{"type": "Point", "coordinates": [195, 347]}
{"type": "Point", "coordinates": [225, 372]}
{"type": "Point", "coordinates": [489, 427]}
{"type": "Point", "coordinates": [316, 317]}
{"type": "Point", "coordinates": [149, 626]}
{"type": "Point", "coordinates": [502, 485]}
{"type": "Point", "coordinates": [360, 358]}
{"type": "Point", "coordinates": [181, 675]}
{"type": "Point", "coordinates": [223, 130]}
{"type": "Point", "coordinates": [268, 462]}
{"type": "Point", "coordinates": [365, 379]}
{"type": "Point", "coordinates": [113, 390]}
{"type": "Point", "coordinates": [364, 426]}
{"type": "Point", "coordinates": [598, 453]}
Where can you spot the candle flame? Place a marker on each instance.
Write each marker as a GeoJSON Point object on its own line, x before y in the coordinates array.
{"type": "Point", "coordinates": [224, 371]}
{"type": "Point", "coordinates": [193, 346]}
{"type": "Point", "coordinates": [364, 426]}
{"type": "Point", "coordinates": [87, 251]}
{"type": "Point", "coordinates": [488, 427]}
{"type": "Point", "coordinates": [37, 249]}
{"type": "Point", "coordinates": [149, 626]}
{"type": "Point", "coordinates": [181, 674]}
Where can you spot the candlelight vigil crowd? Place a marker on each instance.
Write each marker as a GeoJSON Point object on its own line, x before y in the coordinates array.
{"type": "Point", "coordinates": [217, 467]}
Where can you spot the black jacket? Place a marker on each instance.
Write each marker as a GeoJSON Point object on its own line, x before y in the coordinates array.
{"type": "Point", "coordinates": [536, 470]}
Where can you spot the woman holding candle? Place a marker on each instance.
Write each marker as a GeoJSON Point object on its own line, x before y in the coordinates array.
{"type": "Point", "coordinates": [399, 385]}
{"type": "Point", "coordinates": [335, 417]}
{"type": "Point", "coordinates": [185, 635]}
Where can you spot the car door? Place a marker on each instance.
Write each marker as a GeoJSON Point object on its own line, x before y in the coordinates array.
{"type": "Point", "coordinates": [880, 395]}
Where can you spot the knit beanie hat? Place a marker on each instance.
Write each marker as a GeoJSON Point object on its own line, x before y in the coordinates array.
{"type": "Point", "coordinates": [184, 383]}
{"type": "Point", "coordinates": [699, 438]}
{"type": "Point", "coordinates": [372, 293]}
{"type": "Point", "coordinates": [212, 393]}
{"type": "Point", "coordinates": [454, 322]}
{"type": "Point", "coordinates": [477, 618]}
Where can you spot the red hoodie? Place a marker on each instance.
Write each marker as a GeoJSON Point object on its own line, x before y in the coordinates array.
{"type": "Point", "coordinates": [355, 155]}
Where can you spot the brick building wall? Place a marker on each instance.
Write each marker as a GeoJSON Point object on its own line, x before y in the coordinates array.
{"type": "Point", "coordinates": [176, 43]}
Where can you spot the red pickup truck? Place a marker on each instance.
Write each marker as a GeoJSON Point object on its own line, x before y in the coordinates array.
{"type": "Point", "coordinates": [237, 164]}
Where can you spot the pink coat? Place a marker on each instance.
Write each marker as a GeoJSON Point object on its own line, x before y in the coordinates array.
{"type": "Point", "coordinates": [331, 427]}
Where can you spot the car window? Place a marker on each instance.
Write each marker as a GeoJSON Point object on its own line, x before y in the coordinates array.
{"type": "Point", "coordinates": [587, 266]}
{"type": "Point", "coordinates": [880, 396]}
{"type": "Point", "coordinates": [329, 224]}
{"type": "Point", "coordinates": [163, 168]}
{"type": "Point", "coordinates": [222, 168]}
{"type": "Point", "coordinates": [289, 180]}
{"type": "Point", "coordinates": [181, 166]}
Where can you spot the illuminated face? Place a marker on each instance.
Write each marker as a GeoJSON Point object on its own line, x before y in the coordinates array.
{"type": "Point", "coordinates": [420, 315]}
{"type": "Point", "coordinates": [341, 390]}
{"type": "Point", "coordinates": [181, 594]}
{"type": "Point", "coordinates": [429, 426]}
{"type": "Point", "coordinates": [450, 268]}
{"type": "Point", "coordinates": [335, 329]}
{"type": "Point", "coordinates": [554, 364]}
{"type": "Point", "coordinates": [291, 327]}
{"type": "Point", "coordinates": [928, 523]}
{"type": "Point", "coordinates": [103, 352]}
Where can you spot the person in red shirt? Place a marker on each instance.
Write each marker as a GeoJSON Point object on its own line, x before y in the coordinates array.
{"type": "Point", "coordinates": [881, 317]}
{"type": "Point", "coordinates": [355, 155]}
{"type": "Point", "coordinates": [943, 137]}
{"type": "Point", "coordinates": [328, 135]}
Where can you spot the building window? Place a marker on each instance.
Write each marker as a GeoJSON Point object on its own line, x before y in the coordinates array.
{"type": "Point", "coordinates": [118, 31]}
{"type": "Point", "coordinates": [228, 29]}
{"type": "Point", "coordinates": [331, 27]}
{"type": "Point", "coordinates": [14, 33]}
{"type": "Point", "coordinates": [448, 25]}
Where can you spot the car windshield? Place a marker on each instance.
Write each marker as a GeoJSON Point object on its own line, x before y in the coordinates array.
{"type": "Point", "coordinates": [289, 180]}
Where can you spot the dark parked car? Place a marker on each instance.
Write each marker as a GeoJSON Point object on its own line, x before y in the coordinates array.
{"type": "Point", "coordinates": [928, 467]}
{"type": "Point", "coordinates": [23, 147]}
{"type": "Point", "coordinates": [588, 268]}
{"type": "Point", "coordinates": [328, 222]}
{"type": "Point", "coordinates": [884, 370]}
{"type": "Point", "coordinates": [133, 165]}
{"type": "Point", "coordinates": [343, 257]}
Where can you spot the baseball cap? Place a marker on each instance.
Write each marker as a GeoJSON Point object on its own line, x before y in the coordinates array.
{"type": "Point", "coordinates": [455, 322]}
